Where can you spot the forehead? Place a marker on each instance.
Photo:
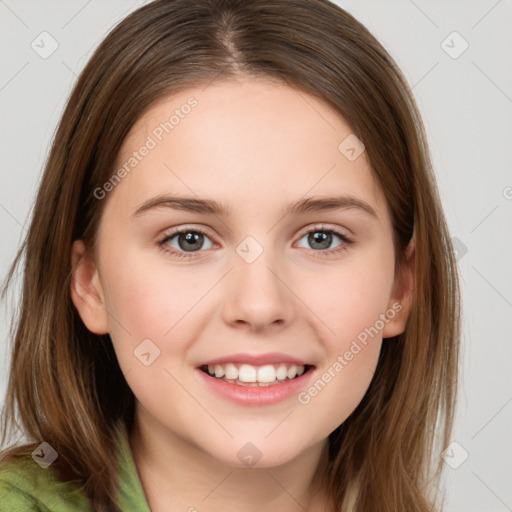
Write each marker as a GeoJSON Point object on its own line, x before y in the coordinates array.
{"type": "Point", "coordinates": [242, 139]}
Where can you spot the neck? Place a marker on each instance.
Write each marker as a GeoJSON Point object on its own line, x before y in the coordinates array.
{"type": "Point", "coordinates": [177, 475]}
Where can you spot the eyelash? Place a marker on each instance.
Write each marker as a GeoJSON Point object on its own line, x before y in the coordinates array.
{"type": "Point", "coordinates": [162, 245]}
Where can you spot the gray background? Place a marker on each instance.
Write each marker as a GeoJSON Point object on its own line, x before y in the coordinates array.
{"type": "Point", "coordinates": [466, 103]}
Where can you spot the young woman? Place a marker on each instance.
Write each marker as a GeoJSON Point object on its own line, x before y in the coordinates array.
{"type": "Point", "coordinates": [239, 287]}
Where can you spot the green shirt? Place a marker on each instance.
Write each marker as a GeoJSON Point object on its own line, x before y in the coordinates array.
{"type": "Point", "coordinates": [27, 487]}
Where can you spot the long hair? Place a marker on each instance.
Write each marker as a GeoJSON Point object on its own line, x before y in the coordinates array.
{"type": "Point", "coordinates": [65, 383]}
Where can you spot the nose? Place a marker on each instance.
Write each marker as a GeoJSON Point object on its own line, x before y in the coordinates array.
{"type": "Point", "coordinates": [258, 296]}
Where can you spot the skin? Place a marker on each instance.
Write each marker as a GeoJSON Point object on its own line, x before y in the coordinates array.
{"type": "Point", "coordinates": [254, 146]}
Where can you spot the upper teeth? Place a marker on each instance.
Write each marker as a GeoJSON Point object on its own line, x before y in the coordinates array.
{"type": "Point", "coordinates": [249, 373]}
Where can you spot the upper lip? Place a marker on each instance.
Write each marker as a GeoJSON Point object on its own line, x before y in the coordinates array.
{"type": "Point", "coordinates": [257, 359]}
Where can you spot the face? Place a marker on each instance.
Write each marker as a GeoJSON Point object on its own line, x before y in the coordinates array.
{"type": "Point", "coordinates": [179, 286]}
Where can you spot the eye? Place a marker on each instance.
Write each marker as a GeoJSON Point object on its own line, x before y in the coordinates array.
{"type": "Point", "coordinates": [321, 238]}
{"type": "Point", "coordinates": [183, 241]}
{"type": "Point", "coordinates": [186, 242]}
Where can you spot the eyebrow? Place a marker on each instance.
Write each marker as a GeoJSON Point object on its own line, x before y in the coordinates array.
{"type": "Point", "coordinates": [211, 207]}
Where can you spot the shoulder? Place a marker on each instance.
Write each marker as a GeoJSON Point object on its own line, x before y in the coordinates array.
{"type": "Point", "coordinates": [26, 486]}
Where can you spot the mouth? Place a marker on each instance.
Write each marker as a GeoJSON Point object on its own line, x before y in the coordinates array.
{"type": "Point", "coordinates": [247, 375]}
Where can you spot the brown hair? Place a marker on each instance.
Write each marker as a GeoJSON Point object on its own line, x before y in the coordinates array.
{"type": "Point", "coordinates": [65, 381]}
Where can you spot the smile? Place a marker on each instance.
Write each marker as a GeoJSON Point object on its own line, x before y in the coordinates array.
{"type": "Point", "coordinates": [249, 375]}
{"type": "Point", "coordinates": [246, 389]}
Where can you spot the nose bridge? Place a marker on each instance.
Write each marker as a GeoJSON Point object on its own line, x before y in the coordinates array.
{"type": "Point", "coordinates": [258, 294]}
{"type": "Point", "coordinates": [256, 268]}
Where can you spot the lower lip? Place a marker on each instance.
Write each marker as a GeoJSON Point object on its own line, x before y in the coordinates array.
{"type": "Point", "coordinates": [256, 395]}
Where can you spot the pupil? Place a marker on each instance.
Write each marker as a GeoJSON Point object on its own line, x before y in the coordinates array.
{"type": "Point", "coordinates": [193, 241]}
{"type": "Point", "coordinates": [321, 237]}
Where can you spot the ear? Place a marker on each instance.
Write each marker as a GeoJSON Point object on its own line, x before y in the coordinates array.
{"type": "Point", "coordinates": [402, 295]}
{"type": "Point", "coordinates": [86, 290]}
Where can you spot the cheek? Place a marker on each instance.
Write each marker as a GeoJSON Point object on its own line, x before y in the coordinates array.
{"type": "Point", "coordinates": [352, 297]}
{"type": "Point", "coordinates": [338, 388]}
{"type": "Point", "coordinates": [148, 296]}
{"type": "Point", "coordinates": [350, 310]}
{"type": "Point", "coordinates": [145, 302]}
{"type": "Point", "coordinates": [149, 303]}
{"type": "Point", "coordinates": [351, 346]}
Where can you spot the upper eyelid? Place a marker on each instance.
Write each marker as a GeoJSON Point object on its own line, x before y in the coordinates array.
{"type": "Point", "coordinates": [322, 227]}
{"type": "Point", "coordinates": [177, 230]}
